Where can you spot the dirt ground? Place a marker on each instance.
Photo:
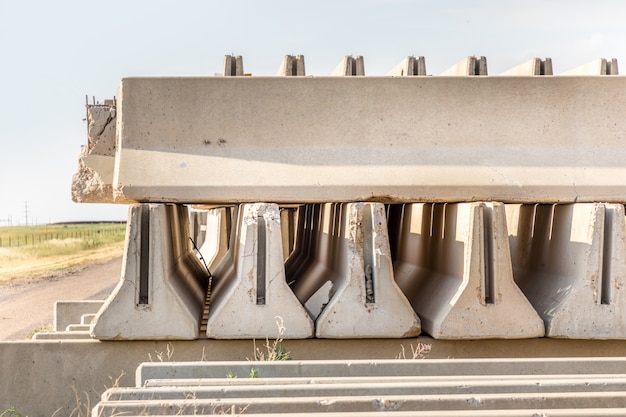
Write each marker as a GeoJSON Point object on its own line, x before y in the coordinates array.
{"type": "Point", "coordinates": [27, 305]}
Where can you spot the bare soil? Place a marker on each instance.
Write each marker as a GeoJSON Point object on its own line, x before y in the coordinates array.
{"type": "Point", "coordinates": [28, 304]}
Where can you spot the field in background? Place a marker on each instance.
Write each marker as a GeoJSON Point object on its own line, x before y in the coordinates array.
{"type": "Point", "coordinates": [36, 251]}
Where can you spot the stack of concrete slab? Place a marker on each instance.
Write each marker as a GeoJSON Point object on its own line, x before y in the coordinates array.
{"type": "Point", "coordinates": [72, 320]}
{"type": "Point", "coordinates": [449, 387]}
{"type": "Point", "coordinates": [463, 205]}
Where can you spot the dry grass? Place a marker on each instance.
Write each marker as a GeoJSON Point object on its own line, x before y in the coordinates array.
{"type": "Point", "coordinates": [46, 257]}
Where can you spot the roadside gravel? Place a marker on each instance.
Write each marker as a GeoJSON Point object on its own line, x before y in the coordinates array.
{"type": "Point", "coordinates": [28, 304]}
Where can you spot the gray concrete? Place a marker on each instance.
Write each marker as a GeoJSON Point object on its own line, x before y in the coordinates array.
{"type": "Point", "coordinates": [366, 404]}
{"type": "Point", "coordinates": [600, 66]}
{"type": "Point", "coordinates": [71, 312]}
{"type": "Point", "coordinates": [411, 65]}
{"type": "Point", "coordinates": [350, 66]}
{"type": "Point", "coordinates": [453, 263]}
{"type": "Point", "coordinates": [402, 139]}
{"type": "Point", "coordinates": [569, 261]}
{"type": "Point", "coordinates": [250, 297]}
{"type": "Point", "coordinates": [366, 302]}
{"type": "Point", "coordinates": [47, 369]}
{"type": "Point", "coordinates": [163, 286]}
{"type": "Point", "coordinates": [472, 65]}
{"type": "Point", "coordinates": [580, 384]}
{"type": "Point", "coordinates": [534, 66]}
{"type": "Point", "coordinates": [293, 65]}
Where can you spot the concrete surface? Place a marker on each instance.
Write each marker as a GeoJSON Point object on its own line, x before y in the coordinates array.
{"type": "Point", "coordinates": [71, 312]}
{"type": "Point", "coordinates": [534, 66]}
{"type": "Point", "coordinates": [46, 371]}
{"type": "Point", "coordinates": [293, 65]}
{"type": "Point", "coordinates": [162, 289]}
{"type": "Point", "coordinates": [472, 65]}
{"type": "Point", "coordinates": [365, 302]}
{"type": "Point", "coordinates": [600, 66]}
{"type": "Point", "coordinates": [250, 297]}
{"type": "Point", "coordinates": [409, 66]}
{"type": "Point", "coordinates": [403, 139]}
{"type": "Point", "coordinates": [349, 66]}
{"type": "Point", "coordinates": [453, 263]}
{"type": "Point", "coordinates": [569, 261]}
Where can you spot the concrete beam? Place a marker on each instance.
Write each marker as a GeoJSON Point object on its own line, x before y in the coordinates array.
{"type": "Point", "coordinates": [366, 302]}
{"type": "Point", "coordinates": [367, 404]}
{"type": "Point", "coordinates": [472, 65]}
{"type": "Point", "coordinates": [600, 66]}
{"type": "Point", "coordinates": [162, 289]}
{"type": "Point", "coordinates": [387, 139]}
{"type": "Point", "coordinates": [409, 66]}
{"type": "Point", "coordinates": [568, 260]}
{"type": "Point", "coordinates": [70, 312]}
{"type": "Point", "coordinates": [250, 282]}
{"type": "Point", "coordinates": [349, 66]}
{"type": "Point", "coordinates": [534, 66]}
{"type": "Point", "coordinates": [454, 265]}
{"type": "Point", "coordinates": [292, 66]}
{"type": "Point", "coordinates": [93, 180]}
{"type": "Point", "coordinates": [233, 66]}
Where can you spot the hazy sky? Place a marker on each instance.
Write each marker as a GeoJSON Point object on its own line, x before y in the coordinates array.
{"type": "Point", "coordinates": [53, 53]}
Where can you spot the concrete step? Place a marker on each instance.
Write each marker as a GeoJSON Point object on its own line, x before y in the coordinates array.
{"type": "Point", "coordinates": [581, 384]}
{"type": "Point", "coordinates": [359, 368]}
{"type": "Point", "coordinates": [452, 379]}
{"type": "Point", "coordinates": [553, 412]}
{"type": "Point", "coordinates": [367, 404]}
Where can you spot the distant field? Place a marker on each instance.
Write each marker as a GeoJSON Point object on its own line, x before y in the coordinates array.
{"type": "Point", "coordinates": [35, 251]}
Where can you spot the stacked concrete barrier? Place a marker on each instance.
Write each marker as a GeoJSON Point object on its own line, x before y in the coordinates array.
{"type": "Point", "coordinates": [388, 195]}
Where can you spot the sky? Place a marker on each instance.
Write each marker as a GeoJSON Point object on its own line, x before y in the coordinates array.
{"type": "Point", "coordinates": [54, 53]}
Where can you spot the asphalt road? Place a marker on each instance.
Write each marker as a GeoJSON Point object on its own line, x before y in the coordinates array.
{"type": "Point", "coordinates": [27, 305]}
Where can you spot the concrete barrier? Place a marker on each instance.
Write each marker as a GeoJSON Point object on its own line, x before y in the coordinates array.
{"type": "Point", "coordinates": [409, 66]}
{"type": "Point", "coordinates": [70, 312]}
{"type": "Point", "coordinates": [534, 66]}
{"type": "Point", "coordinates": [349, 66]}
{"type": "Point", "coordinates": [600, 66]}
{"type": "Point", "coordinates": [472, 65]}
{"type": "Point", "coordinates": [453, 263]}
{"type": "Point", "coordinates": [93, 180]}
{"type": "Point", "coordinates": [568, 260]}
{"type": "Point", "coordinates": [293, 65]}
{"type": "Point", "coordinates": [341, 271]}
{"type": "Point", "coordinates": [329, 139]}
{"type": "Point", "coordinates": [163, 285]}
{"type": "Point", "coordinates": [250, 282]}
{"type": "Point", "coordinates": [233, 66]}
{"type": "Point", "coordinates": [215, 229]}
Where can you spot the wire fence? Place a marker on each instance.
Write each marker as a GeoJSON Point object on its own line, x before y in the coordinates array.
{"type": "Point", "coordinates": [32, 239]}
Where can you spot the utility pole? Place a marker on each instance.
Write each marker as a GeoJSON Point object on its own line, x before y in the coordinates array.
{"type": "Point", "coordinates": [26, 211]}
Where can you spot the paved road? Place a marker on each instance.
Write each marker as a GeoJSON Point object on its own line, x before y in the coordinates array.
{"type": "Point", "coordinates": [28, 304]}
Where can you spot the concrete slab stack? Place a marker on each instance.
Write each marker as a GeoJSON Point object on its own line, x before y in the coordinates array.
{"type": "Point", "coordinates": [308, 165]}
{"type": "Point", "coordinates": [445, 388]}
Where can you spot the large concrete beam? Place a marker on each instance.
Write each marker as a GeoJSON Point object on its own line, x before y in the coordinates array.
{"type": "Point", "coordinates": [454, 265]}
{"type": "Point", "coordinates": [389, 139]}
{"type": "Point", "coordinates": [569, 261]}
{"type": "Point", "coordinates": [163, 285]}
